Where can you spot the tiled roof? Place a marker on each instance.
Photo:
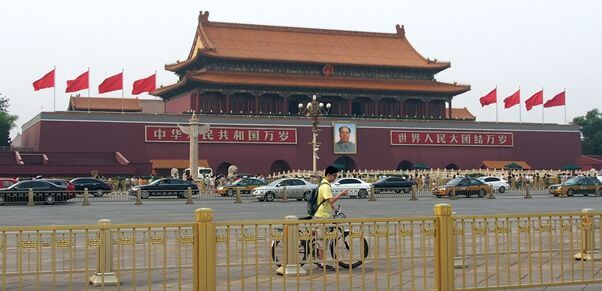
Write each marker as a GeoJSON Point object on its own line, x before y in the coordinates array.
{"type": "Point", "coordinates": [461, 113]}
{"type": "Point", "coordinates": [501, 164]}
{"type": "Point", "coordinates": [290, 80]}
{"type": "Point", "coordinates": [77, 103]}
{"type": "Point", "coordinates": [306, 45]}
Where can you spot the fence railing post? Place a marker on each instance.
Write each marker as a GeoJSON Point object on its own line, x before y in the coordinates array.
{"type": "Point", "coordinates": [588, 237]}
{"type": "Point", "coordinates": [528, 193]}
{"type": "Point", "coordinates": [598, 190]}
{"type": "Point", "coordinates": [490, 192]}
{"type": "Point", "coordinates": [238, 199]}
{"type": "Point", "coordinates": [104, 275]}
{"type": "Point", "coordinates": [291, 267]}
{"type": "Point", "coordinates": [204, 255]}
{"type": "Point", "coordinates": [138, 197]}
{"type": "Point", "coordinates": [372, 197]}
{"type": "Point", "coordinates": [86, 198]}
{"type": "Point", "coordinates": [30, 197]}
{"type": "Point", "coordinates": [458, 235]}
{"type": "Point", "coordinates": [189, 196]}
{"type": "Point", "coordinates": [284, 194]}
{"type": "Point", "coordinates": [444, 248]}
{"type": "Point", "coordinates": [413, 193]}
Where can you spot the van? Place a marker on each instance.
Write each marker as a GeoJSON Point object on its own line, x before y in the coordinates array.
{"type": "Point", "coordinates": [203, 173]}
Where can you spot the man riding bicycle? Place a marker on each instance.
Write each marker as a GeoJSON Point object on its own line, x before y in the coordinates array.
{"type": "Point", "coordinates": [325, 209]}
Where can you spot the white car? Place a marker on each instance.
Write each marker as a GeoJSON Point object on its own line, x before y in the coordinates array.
{"type": "Point", "coordinates": [356, 187]}
{"type": "Point", "coordinates": [499, 185]}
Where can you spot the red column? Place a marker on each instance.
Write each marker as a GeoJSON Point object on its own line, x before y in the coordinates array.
{"type": "Point", "coordinates": [375, 107]}
{"type": "Point", "coordinates": [284, 104]}
{"type": "Point", "coordinates": [401, 108]}
{"type": "Point", "coordinates": [450, 110]}
{"type": "Point", "coordinates": [228, 103]}
{"type": "Point", "coordinates": [350, 106]}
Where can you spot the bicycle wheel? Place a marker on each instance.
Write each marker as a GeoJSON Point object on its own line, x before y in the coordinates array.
{"type": "Point", "coordinates": [278, 254]}
{"type": "Point", "coordinates": [350, 253]}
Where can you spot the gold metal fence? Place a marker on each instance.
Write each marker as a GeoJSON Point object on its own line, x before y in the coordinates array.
{"type": "Point", "coordinates": [108, 256]}
{"type": "Point", "coordinates": [440, 252]}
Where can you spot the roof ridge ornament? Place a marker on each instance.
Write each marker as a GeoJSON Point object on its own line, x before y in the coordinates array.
{"type": "Point", "coordinates": [401, 31]}
{"type": "Point", "coordinates": [203, 16]}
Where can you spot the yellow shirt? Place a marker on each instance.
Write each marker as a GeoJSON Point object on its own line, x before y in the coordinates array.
{"type": "Point", "coordinates": [324, 192]}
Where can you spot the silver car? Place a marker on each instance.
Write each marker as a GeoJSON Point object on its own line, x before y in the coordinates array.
{"type": "Point", "coordinates": [295, 188]}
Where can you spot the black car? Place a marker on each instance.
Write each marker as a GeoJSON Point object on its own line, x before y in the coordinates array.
{"type": "Point", "coordinates": [396, 184]}
{"type": "Point", "coordinates": [95, 186]}
{"type": "Point", "coordinates": [43, 191]}
{"type": "Point", "coordinates": [165, 187]}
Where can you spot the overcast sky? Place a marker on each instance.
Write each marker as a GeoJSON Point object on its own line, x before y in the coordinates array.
{"type": "Point", "coordinates": [533, 44]}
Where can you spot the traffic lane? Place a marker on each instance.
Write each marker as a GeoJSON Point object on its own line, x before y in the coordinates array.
{"type": "Point", "coordinates": [161, 211]}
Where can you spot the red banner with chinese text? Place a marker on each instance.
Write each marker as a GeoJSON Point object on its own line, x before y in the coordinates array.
{"type": "Point", "coordinates": [451, 138]}
{"type": "Point", "coordinates": [249, 135]}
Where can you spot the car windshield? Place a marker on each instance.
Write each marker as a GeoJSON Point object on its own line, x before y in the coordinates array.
{"type": "Point", "coordinates": [454, 182]}
{"type": "Point", "coordinates": [572, 181]}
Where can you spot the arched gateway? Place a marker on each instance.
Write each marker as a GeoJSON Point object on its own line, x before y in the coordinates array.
{"type": "Point", "coordinates": [346, 163]}
{"type": "Point", "coordinates": [279, 166]}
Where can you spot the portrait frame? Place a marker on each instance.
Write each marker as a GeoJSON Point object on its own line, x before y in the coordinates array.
{"type": "Point", "coordinates": [338, 147]}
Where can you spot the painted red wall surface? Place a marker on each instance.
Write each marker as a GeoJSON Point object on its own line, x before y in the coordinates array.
{"type": "Point", "coordinates": [539, 149]}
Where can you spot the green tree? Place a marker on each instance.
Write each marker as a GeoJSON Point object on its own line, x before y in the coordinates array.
{"type": "Point", "coordinates": [7, 122]}
{"type": "Point", "coordinates": [591, 131]}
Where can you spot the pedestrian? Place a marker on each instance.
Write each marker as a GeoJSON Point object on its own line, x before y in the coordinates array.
{"type": "Point", "coordinates": [325, 209]}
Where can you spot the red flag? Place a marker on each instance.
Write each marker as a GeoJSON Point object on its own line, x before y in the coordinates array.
{"type": "Point", "coordinates": [512, 99]}
{"type": "Point", "coordinates": [145, 85]}
{"type": "Point", "coordinates": [490, 98]}
{"type": "Point", "coordinates": [47, 81]}
{"type": "Point", "coordinates": [79, 83]}
{"type": "Point", "coordinates": [536, 99]}
{"type": "Point", "coordinates": [558, 100]}
{"type": "Point", "coordinates": [112, 83]}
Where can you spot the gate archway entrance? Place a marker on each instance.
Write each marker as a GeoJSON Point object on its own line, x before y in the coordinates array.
{"type": "Point", "coordinates": [345, 163]}
{"type": "Point", "coordinates": [279, 166]}
{"type": "Point", "coordinates": [222, 169]}
{"type": "Point", "coordinates": [405, 165]}
{"type": "Point", "coordinates": [452, 166]}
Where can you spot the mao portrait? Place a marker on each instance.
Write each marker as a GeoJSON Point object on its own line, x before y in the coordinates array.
{"type": "Point", "coordinates": [345, 138]}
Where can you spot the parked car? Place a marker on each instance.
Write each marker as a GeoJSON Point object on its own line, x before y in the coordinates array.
{"type": "Point", "coordinates": [7, 182]}
{"type": "Point", "coordinates": [295, 188]}
{"type": "Point", "coordinates": [43, 191]}
{"type": "Point", "coordinates": [396, 184]}
{"type": "Point", "coordinates": [245, 185]}
{"type": "Point", "coordinates": [62, 182]}
{"type": "Point", "coordinates": [499, 185]}
{"type": "Point", "coordinates": [165, 187]}
{"type": "Point", "coordinates": [576, 185]}
{"type": "Point", "coordinates": [356, 188]}
{"type": "Point", "coordinates": [463, 186]}
{"type": "Point", "coordinates": [95, 186]}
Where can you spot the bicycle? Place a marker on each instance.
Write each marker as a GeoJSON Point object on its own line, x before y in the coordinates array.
{"type": "Point", "coordinates": [341, 245]}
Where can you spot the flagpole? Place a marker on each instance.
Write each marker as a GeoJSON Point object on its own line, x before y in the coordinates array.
{"type": "Point", "coordinates": [88, 89]}
{"type": "Point", "coordinates": [520, 109]}
{"type": "Point", "coordinates": [54, 89]}
{"type": "Point", "coordinates": [157, 98]}
{"type": "Point", "coordinates": [122, 91]}
{"type": "Point", "coordinates": [496, 106]}
{"type": "Point", "coordinates": [565, 106]}
{"type": "Point", "coordinates": [542, 120]}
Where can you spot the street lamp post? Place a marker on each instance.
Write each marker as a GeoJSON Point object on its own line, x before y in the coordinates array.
{"type": "Point", "coordinates": [313, 110]}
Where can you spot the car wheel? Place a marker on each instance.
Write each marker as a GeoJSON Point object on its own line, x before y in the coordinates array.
{"type": "Point", "coordinates": [99, 193]}
{"type": "Point", "coordinates": [571, 192]}
{"type": "Point", "coordinates": [306, 195]}
{"type": "Point", "coordinates": [406, 190]}
{"type": "Point", "coordinates": [362, 194]}
{"type": "Point", "coordinates": [502, 189]}
{"type": "Point", "coordinates": [144, 195]}
{"type": "Point", "coordinates": [481, 193]}
{"type": "Point", "coordinates": [230, 192]}
{"type": "Point", "coordinates": [49, 199]}
{"type": "Point", "coordinates": [269, 197]}
{"type": "Point", "coordinates": [2, 201]}
{"type": "Point", "coordinates": [397, 190]}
